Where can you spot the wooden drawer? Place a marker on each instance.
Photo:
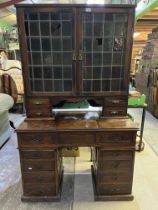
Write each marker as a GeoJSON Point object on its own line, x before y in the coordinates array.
{"type": "Point", "coordinates": [39, 112]}
{"type": "Point", "coordinates": [38, 165]}
{"type": "Point", "coordinates": [115, 111]}
{"type": "Point", "coordinates": [39, 177]}
{"type": "Point", "coordinates": [36, 189]}
{"type": "Point", "coordinates": [36, 139]}
{"type": "Point", "coordinates": [119, 138]}
{"type": "Point", "coordinates": [76, 138]}
{"type": "Point", "coordinates": [115, 165]}
{"type": "Point", "coordinates": [37, 102]}
{"type": "Point", "coordinates": [114, 189]}
{"type": "Point", "coordinates": [115, 101]}
{"type": "Point", "coordinates": [114, 177]}
{"type": "Point", "coordinates": [115, 155]}
{"type": "Point", "coordinates": [38, 154]}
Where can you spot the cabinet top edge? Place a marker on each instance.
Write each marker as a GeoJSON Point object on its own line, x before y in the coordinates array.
{"type": "Point", "coordinates": [76, 5]}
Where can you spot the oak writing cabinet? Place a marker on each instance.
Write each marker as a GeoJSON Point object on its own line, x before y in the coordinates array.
{"type": "Point", "coordinates": [72, 53]}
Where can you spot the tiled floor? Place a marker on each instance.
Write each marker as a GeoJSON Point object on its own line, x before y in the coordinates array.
{"type": "Point", "coordinates": [78, 190]}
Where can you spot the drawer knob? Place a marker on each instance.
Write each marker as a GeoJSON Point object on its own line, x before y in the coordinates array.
{"type": "Point", "coordinates": [114, 112]}
{"type": "Point", "coordinates": [38, 103]}
{"type": "Point", "coordinates": [115, 101]}
{"type": "Point", "coordinates": [39, 113]}
{"type": "Point", "coordinates": [29, 168]}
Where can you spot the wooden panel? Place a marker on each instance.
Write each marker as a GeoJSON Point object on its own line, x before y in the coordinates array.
{"type": "Point", "coordinates": [43, 111]}
{"type": "Point", "coordinates": [115, 111]}
{"type": "Point", "coordinates": [115, 138]}
{"type": "Point", "coordinates": [39, 177]}
{"type": "Point", "coordinates": [39, 190]}
{"type": "Point", "coordinates": [118, 165]}
{"type": "Point", "coordinates": [37, 154]}
{"type": "Point", "coordinates": [38, 165]}
{"type": "Point", "coordinates": [38, 101]}
{"type": "Point", "coordinates": [36, 139]}
{"type": "Point", "coordinates": [115, 155]}
{"type": "Point", "coordinates": [114, 101]}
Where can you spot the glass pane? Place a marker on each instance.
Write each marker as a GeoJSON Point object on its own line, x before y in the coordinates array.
{"type": "Point", "coordinates": [26, 28]}
{"type": "Point", "coordinates": [117, 58]}
{"type": "Point", "coordinates": [57, 72]}
{"type": "Point", "coordinates": [121, 17]}
{"type": "Point", "coordinates": [88, 59]}
{"type": "Point", "coordinates": [55, 16]}
{"type": "Point", "coordinates": [67, 71]}
{"type": "Point", "coordinates": [98, 17]}
{"type": "Point", "coordinates": [108, 29]}
{"type": "Point", "coordinates": [97, 44]}
{"type": "Point", "coordinates": [120, 29]}
{"type": "Point", "coordinates": [96, 85]}
{"type": "Point", "coordinates": [33, 16]}
{"type": "Point", "coordinates": [116, 72]}
{"type": "Point", "coordinates": [48, 85]}
{"type": "Point", "coordinates": [58, 86]}
{"type": "Point", "coordinates": [105, 85]}
{"type": "Point", "coordinates": [118, 44]}
{"type": "Point", "coordinates": [67, 85]}
{"type": "Point", "coordinates": [115, 85]}
{"type": "Point", "coordinates": [56, 44]}
{"type": "Point", "coordinates": [87, 44]}
{"type": "Point", "coordinates": [35, 44]}
{"type": "Point", "coordinates": [46, 45]}
{"type": "Point", "coordinates": [67, 58]}
{"type": "Point", "coordinates": [44, 16]}
{"type": "Point", "coordinates": [66, 28]}
{"type": "Point", "coordinates": [98, 29]}
{"type": "Point", "coordinates": [67, 45]}
{"type": "Point", "coordinates": [108, 44]}
{"type": "Point", "coordinates": [87, 73]}
{"type": "Point", "coordinates": [48, 72]}
{"type": "Point", "coordinates": [47, 58]}
{"type": "Point", "coordinates": [36, 57]}
{"type": "Point", "coordinates": [87, 17]}
{"type": "Point", "coordinates": [45, 28]}
{"type": "Point", "coordinates": [87, 85]}
{"type": "Point", "coordinates": [106, 72]}
{"type": "Point", "coordinates": [87, 30]}
{"type": "Point", "coordinates": [37, 71]}
{"type": "Point", "coordinates": [109, 17]}
{"type": "Point", "coordinates": [107, 58]}
{"type": "Point", "coordinates": [34, 29]}
{"type": "Point", "coordinates": [38, 85]}
{"type": "Point", "coordinates": [96, 73]}
{"type": "Point", "coordinates": [97, 59]}
{"type": "Point", "coordinates": [57, 59]}
{"type": "Point", "coordinates": [56, 28]}
{"type": "Point", "coordinates": [66, 16]}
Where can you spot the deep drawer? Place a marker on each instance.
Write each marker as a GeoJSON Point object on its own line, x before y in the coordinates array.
{"type": "Point", "coordinates": [38, 101]}
{"type": "Point", "coordinates": [39, 112]}
{"type": "Point", "coordinates": [115, 138]}
{"type": "Point", "coordinates": [39, 177]}
{"type": "Point", "coordinates": [111, 178]}
{"type": "Point", "coordinates": [115, 155]}
{"type": "Point", "coordinates": [115, 111]}
{"type": "Point", "coordinates": [38, 165]}
{"type": "Point", "coordinates": [77, 138]}
{"type": "Point", "coordinates": [38, 154]}
{"type": "Point", "coordinates": [34, 189]}
{"type": "Point", "coordinates": [36, 139]}
{"type": "Point", "coordinates": [114, 189]}
{"type": "Point", "coordinates": [115, 165]}
{"type": "Point", "coordinates": [114, 101]}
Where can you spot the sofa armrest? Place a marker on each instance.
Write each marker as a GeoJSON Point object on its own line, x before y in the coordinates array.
{"type": "Point", "coordinates": [6, 102]}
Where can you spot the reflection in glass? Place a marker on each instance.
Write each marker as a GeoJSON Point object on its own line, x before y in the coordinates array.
{"type": "Point", "coordinates": [98, 29]}
{"type": "Point", "coordinates": [108, 29]}
{"type": "Point", "coordinates": [87, 44]}
{"type": "Point", "coordinates": [57, 58]}
{"type": "Point", "coordinates": [36, 57]}
{"type": "Point", "coordinates": [56, 28]}
{"type": "Point", "coordinates": [47, 71]}
{"type": "Point", "coordinates": [120, 29]}
{"type": "Point", "coordinates": [45, 28]}
{"type": "Point", "coordinates": [107, 58]}
{"type": "Point", "coordinates": [47, 58]}
{"type": "Point", "coordinates": [97, 44]}
{"type": "Point", "coordinates": [87, 30]}
{"type": "Point", "coordinates": [118, 44]}
{"type": "Point", "coordinates": [108, 44]}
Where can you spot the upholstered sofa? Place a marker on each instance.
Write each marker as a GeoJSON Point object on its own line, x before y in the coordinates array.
{"type": "Point", "coordinates": [6, 102]}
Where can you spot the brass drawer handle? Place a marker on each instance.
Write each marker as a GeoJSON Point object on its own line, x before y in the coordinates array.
{"type": "Point", "coordinates": [38, 103]}
{"type": "Point", "coordinates": [38, 113]}
{"type": "Point", "coordinates": [29, 168]}
{"type": "Point", "coordinates": [115, 101]}
{"type": "Point", "coordinates": [114, 112]}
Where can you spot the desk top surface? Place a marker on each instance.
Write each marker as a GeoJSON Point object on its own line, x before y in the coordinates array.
{"type": "Point", "coordinates": [77, 124]}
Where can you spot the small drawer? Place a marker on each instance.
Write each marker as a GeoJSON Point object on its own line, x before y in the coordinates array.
{"type": "Point", "coordinates": [115, 111]}
{"type": "Point", "coordinates": [76, 138]}
{"type": "Point", "coordinates": [39, 112]}
{"type": "Point", "coordinates": [36, 189]}
{"type": "Point", "coordinates": [30, 165]}
{"type": "Point", "coordinates": [39, 177]}
{"type": "Point", "coordinates": [38, 102]}
{"type": "Point", "coordinates": [113, 101]}
{"type": "Point", "coordinates": [114, 189]}
{"type": "Point", "coordinates": [115, 155]}
{"type": "Point", "coordinates": [38, 154]}
{"type": "Point", "coordinates": [114, 177]}
{"type": "Point", "coordinates": [115, 165]}
{"type": "Point", "coordinates": [36, 139]}
{"type": "Point", "coordinates": [115, 138]}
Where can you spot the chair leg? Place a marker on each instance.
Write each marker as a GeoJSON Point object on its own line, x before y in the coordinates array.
{"type": "Point", "coordinates": [12, 124]}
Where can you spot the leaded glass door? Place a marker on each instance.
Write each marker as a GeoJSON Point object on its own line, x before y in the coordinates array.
{"type": "Point", "coordinates": [103, 47]}
{"type": "Point", "coordinates": [50, 43]}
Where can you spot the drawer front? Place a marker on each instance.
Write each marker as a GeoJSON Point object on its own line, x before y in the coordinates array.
{"type": "Point", "coordinates": [115, 165]}
{"type": "Point", "coordinates": [114, 189]}
{"type": "Point", "coordinates": [115, 155]}
{"type": "Point", "coordinates": [76, 138]}
{"type": "Point", "coordinates": [37, 154]}
{"type": "Point", "coordinates": [38, 165]}
{"type": "Point", "coordinates": [39, 177]}
{"type": "Point", "coordinates": [115, 138]}
{"type": "Point", "coordinates": [37, 102]}
{"type": "Point", "coordinates": [115, 111]}
{"type": "Point", "coordinates": [34, 189]}
{"type": "Point", "coordinates": [111, 178]}
{"type": "Point", "coordinates": [36, 139]}
{"type": "Point", "coordinates": [39, 112]}
{"type": "Point", "coordinates": [115, 101]}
